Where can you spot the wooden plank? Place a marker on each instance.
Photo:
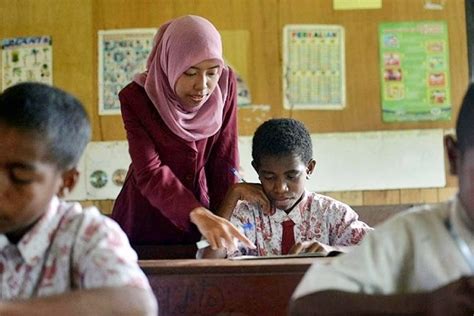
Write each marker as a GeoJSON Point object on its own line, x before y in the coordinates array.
{"type": "Point", "coordinates": [418, 196]}
{"type": "Point", "coordinates": [378, 197]}
{"type": "Point", "coordinates": [444, 194]}
{"type": "Point", "coordinates": [75, 61]}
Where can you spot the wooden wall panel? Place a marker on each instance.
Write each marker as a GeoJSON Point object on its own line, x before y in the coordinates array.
{"type": "Point", "coordinates": [363, 111]}
{"type": "Point", "coordinates": [257, 17]}
{"type": "Point", "coordinates": [69, 23]}
{"type": "Point", "coordinates": [73, 25]}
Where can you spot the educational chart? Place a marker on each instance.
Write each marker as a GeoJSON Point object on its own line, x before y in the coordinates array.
{"type": "Point", "coordinates": [122, 54]}
{"type": "Point", "coordinates": [26, 59]}
{"type": "Point", "coordinates": [414, 69]}
{"type": "Point", "coordinates": [313, 67]}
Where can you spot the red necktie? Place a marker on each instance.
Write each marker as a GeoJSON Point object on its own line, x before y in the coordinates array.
{"type": "Point", "coordinates": [288, 237]}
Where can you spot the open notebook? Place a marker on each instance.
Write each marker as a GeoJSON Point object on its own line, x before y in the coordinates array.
{"type": "Point", "coordinates": [301, 255]}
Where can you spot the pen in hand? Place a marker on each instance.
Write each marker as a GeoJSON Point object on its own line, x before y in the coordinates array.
{"type": "Point", "coordinates": [237, 175]}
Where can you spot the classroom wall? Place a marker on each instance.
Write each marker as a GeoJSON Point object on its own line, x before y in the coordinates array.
{"type": "Point", "coordinates": [73, 25]}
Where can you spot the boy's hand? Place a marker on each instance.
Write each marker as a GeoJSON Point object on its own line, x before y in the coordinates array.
{"type": "Point", "coordinates": [219, 232]}
{"type": "Point", "coordinates": [253, 193]}
{"type": "Point", "coordinates": [310, 246]}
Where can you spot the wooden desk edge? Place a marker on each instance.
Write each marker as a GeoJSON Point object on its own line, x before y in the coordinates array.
{"type": "Point", "coordinates": [219, 266]}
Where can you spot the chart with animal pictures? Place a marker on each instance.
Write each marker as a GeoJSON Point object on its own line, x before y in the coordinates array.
{"type": "Point", "coordinates": [122, 54]}
{"type": "Point", "coordinates": [313, 67]}
{"type": "Point", "coordinates": [414, 70]}
{"type": "Point", "coordinates": [27, 59]}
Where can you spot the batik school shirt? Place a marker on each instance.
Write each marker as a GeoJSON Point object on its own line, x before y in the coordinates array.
{"type": "Point", "coordinates": [68, 249]}
{"type": "Point", "coordinates": [316, 217]}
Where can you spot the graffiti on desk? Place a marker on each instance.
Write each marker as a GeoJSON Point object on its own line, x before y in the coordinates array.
{"type": "Point", "coordinates": [193, 298]}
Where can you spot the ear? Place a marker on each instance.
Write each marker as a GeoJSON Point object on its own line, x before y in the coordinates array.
{"type": "Point", "coordinates": [310, 167]}
{"type": "Point", "coordinates": [70, 178]}
{"type": "Point", "coordinates": [453, 153]}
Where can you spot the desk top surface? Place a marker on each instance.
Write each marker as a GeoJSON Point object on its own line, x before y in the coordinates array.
{"type": "Point", "coordinates": [210, 266]}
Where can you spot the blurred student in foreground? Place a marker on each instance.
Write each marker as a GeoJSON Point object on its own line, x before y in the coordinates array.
{"type": "Point", "coordinates": [55, 257]}
{"type": "Point", "coordinates": [418, 263]}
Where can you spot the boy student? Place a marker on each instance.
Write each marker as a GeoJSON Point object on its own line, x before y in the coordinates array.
{"type": "Point", "coordinates": [55, 257]}
{"type": "Point", "coordinates": [421, 262]}
{"type": "Point", "coordinates": [280, 216]}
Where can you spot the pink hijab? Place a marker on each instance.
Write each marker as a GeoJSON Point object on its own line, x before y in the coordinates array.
{"type": "Point", "coordinates": [178, 45]}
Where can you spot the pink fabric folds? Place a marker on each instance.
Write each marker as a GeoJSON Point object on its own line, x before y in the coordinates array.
{"type": "Point", "coordinates": [178, 45]}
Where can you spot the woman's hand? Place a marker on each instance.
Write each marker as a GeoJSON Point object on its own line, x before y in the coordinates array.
{"type": "Point", "coordinates": [219, 232]}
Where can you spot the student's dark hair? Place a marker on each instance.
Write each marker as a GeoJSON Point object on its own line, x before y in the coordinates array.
{"type": "Point", "coordinates": [465, 122]}
{"type": "Point", "coordinates": [281, 137]}
{"type": "Point", "coordinates": [51, 114]}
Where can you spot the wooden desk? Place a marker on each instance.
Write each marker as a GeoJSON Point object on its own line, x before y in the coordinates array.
{"type": "Point", "coordinates": [225, 287]}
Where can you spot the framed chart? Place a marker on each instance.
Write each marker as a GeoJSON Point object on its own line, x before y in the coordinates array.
{"type": "Point", "coordinates": [313, 67]}
{"type": "Point", "coordinates": [414, 71]}
{"type": "Point", "coordinates": [122, 54]}
{"type": "Point", "coordinates": [26, 59]}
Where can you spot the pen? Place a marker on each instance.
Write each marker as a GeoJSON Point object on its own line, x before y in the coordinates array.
{"type": "Point", "coordinates": [237, 175]}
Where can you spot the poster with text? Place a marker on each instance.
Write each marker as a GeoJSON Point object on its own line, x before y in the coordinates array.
{"type": "Point", "coordinates": [414, 70]}
{"type": "Point", "coordinates": [26, 59]}
{"type": "Point", "coordinates": [313, 67]}
{"type": "Point", "coordinates": [122, 54]}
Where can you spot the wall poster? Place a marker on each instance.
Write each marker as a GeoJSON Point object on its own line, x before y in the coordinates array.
{"type": "Point", "coordinates": [414, 69]}
{"type": "Point", "coordinates": [313, 67]}
{"type": "Point", "coordinates": [122, 54]}
{"type": "Point", "coordinates": [26, 59]}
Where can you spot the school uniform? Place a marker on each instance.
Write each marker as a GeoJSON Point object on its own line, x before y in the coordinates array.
{"type": "Point", "coordinates": [68, 249]}
{"type": "Point", "coordinates": [409, 253]}
{"type": "Point", "coordinates": [316, 218]}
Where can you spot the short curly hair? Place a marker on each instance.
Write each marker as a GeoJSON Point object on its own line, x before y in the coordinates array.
{"type": "Point", "coordinates": [465, 121]}
{"type": "Point", "coordinates": [281, 137]}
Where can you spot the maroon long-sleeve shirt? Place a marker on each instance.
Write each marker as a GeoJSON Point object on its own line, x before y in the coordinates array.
{"type": "Point", "coordinates": [168, 177]}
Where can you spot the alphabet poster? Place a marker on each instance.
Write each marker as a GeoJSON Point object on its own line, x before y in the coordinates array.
{"type": "Point", "coordinates": [414, 70]}
{"type": "Point", "coordinates": [26, 59]}
{"type": "Point", "coordinates": [122, 54]}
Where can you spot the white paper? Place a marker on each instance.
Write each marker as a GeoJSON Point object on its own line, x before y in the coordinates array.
{"type": "Point", "coordinates": [378, 160]}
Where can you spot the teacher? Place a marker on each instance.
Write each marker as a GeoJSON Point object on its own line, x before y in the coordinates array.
{"type": "Point", "coordinates": [180, 119]}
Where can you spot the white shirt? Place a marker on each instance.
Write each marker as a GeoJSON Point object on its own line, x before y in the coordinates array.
{"type": "Point", "coordinates": [409, 253]}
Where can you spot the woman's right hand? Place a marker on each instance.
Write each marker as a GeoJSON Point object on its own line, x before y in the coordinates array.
{"type": "Point", "coordinates": [219, 232]}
